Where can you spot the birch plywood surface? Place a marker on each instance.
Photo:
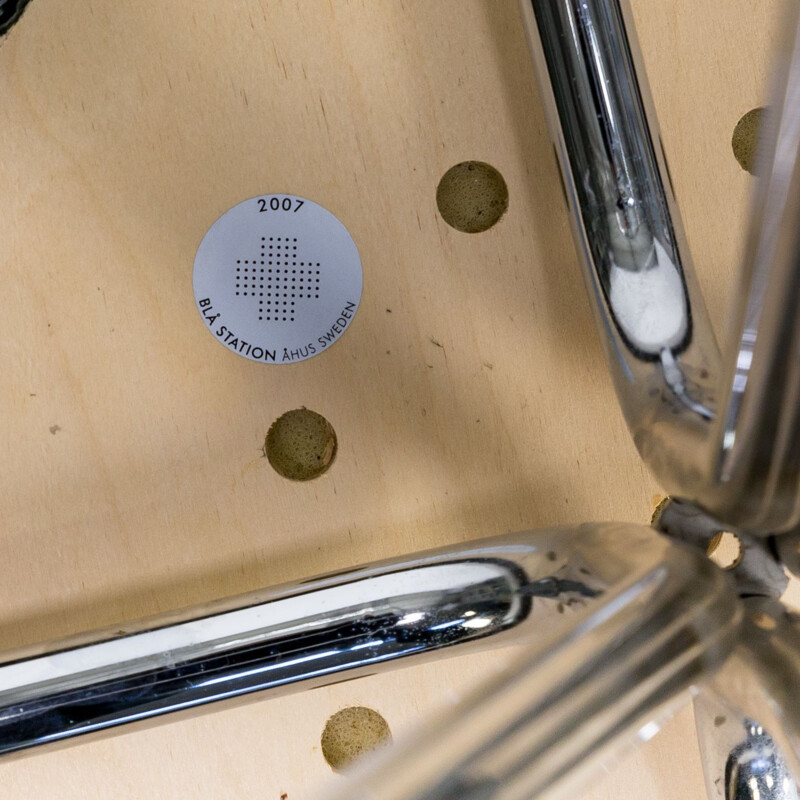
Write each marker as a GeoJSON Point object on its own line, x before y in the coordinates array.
{"type": "Point", "coordinates": [469, 393]}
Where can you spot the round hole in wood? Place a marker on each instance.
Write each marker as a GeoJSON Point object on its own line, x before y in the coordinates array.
{"type": "Point", "coordinates": [764, 621]}
{"type": "Point", "coordinates": [745, 139]}
{"type": "Point", "coordinates": [472, 196]}
{"type": "Point", "coordinates": [351, 733]}
{"type": "Point", "coordinates": [300, 445]}
{"type": "Point", "coordinates": [725, 550]}
{"type": "Point", "coordinates": [660, 505]}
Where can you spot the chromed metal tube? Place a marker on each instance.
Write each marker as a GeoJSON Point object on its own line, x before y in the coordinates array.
{"type": "Point", "coordinates": [537, 729]}
{"type": "Point", "coordinates": [748, 715]}
{"type": "Point", "coordinates": [658, 340]}
{"type": "Point", "coordinates": [756, 770]}
{"type": "Point", "coordinates": [740, 758]}
{"type": "Point", "coordinates": [484, 593]}
{"type": "Point", "coordinates": [758, 464]}
{"type": "Point", "coordinates": [669, 376]}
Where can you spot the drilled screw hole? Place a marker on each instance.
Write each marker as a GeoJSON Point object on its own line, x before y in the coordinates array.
{"type": "Point", "coordinates": [745, 139]}
{"type": "Point", "coordinates": [764, 621]}
{"type": "Point", "coordinates": [472, 196]}
{"type": "Point", "coordinates": [351, 733]}
{"type": "Point", "coordinates": [660, 504]}
{"type": "Point", "coordinates": [300, 445]}
{"type": "Point", "coordinates": [725, 550]}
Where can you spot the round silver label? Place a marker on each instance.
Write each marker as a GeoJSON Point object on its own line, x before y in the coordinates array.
{"type": "Point", "coordinates": [277, 279]}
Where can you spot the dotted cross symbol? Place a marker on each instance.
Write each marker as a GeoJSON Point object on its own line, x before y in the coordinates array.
{"type": "Point", "coordinates": [277, 280]}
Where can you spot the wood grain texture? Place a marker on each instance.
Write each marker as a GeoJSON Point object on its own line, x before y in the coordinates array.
{"type": "Point", "coordinates": [133, 480]}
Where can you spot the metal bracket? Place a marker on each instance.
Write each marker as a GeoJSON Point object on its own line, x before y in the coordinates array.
{"type": "Point", "coordinates": [758, 572]}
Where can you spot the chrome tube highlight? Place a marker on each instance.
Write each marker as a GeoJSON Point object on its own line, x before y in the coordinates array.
{"type": "Point", "coordinates": [748, 717]}
{"type": "Point", "coordinates": [484, 593]}
{"type": "Point", "coordinates": [759, 433]}
{"type": "Point", "coordinates": [578, 693]}
{"type": "Point", "coordinates": [675, 394]}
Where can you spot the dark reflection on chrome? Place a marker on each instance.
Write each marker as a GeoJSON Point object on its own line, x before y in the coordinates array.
{"type": "Point", "coordinates": [683, 401]}
{"type": "Point", "coordinates": [309, 632]}
{"type": "Point", "coordinates": [755, 769]}
{"type": "Point", "coordinates": [10, 12]}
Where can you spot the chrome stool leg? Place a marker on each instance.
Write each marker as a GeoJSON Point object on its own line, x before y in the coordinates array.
{"type": "Point", "coordinates": [580, 690]}
{"type": "Point", "coordinates": [617, 622]}
{"type": "Point", "coordinates": [518, 588]}
{"type": "Point", "coordinates": [720, 431]}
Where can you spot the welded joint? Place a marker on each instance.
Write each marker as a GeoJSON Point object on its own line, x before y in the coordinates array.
{"type": "Point", "coordinates": [759, 569]}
